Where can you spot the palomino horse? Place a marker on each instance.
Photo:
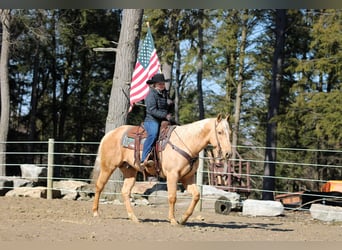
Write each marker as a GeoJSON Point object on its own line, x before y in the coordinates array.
{"type": "Point", "coordinates": [179, 161]}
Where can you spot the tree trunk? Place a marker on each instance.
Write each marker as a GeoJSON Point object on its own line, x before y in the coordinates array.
{"type": "Point", "coordinates": [173, 41]}
{"type": "Point", "coordinates": [124, 65]}
{"type": "Point", "coordinates": [4, 88]}
{"type": "Point", "coordinates": [274, 101]}
{"type": "Point", "coordinates": [178, 80]}
{"type": "Point", "coordinates": [237, 111]}
{"type": "Point", "coordinates": [34, 102]}
{"type": "Point", "coordinates": [200, 64]}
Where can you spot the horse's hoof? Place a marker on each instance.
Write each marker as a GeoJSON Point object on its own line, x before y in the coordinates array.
{"type": "Point", "coordinates": [182, 222]}
{"type": "Point", "coordinates": [133, 218]}
{"type": "Point", "coordinates": [174, 222]}
{"type": "Point", "coordinates": [95, 214]}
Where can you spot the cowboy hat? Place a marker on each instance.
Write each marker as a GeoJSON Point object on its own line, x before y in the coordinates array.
{"type": "Point", "coordinates": [157, 78]}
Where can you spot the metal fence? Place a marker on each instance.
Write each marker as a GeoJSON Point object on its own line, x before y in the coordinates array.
{"type": "Point", "coordinates": [244, 175]}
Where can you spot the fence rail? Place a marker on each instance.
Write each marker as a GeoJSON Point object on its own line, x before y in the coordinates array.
{"type": "Point", "coordinates": [74, 160]}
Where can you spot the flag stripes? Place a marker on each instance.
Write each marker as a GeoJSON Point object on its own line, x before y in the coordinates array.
{"type": "Point", "coordinates": [146, 66]}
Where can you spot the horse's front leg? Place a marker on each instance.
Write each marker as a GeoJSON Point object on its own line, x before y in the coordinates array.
{"type": "Point", "coordinates": [129, 181]}
{"type": "Point", "coordinates": [193, 190]}
{"type": "Point", "coordinates": [172, 197]}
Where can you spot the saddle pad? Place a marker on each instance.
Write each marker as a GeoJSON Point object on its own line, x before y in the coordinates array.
{"type": "Point", "coordinates": [135, 131]}
{"type": "Point", "coordinates": [128, 142]}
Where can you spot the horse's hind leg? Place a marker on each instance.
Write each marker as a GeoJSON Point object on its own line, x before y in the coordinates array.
{"type": "Point", "coordinates": [100, 183]}
{"type": "Point", "coordinates": [191, 188]}
{"type": "Point", "coordinates": [129, 180]}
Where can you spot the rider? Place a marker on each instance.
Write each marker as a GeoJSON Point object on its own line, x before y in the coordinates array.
{"type": "Point", "coordinates": [157, 110]}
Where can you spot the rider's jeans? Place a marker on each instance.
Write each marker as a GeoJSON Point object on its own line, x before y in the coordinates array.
{"type": "Point", "coordinates": [152, 129]}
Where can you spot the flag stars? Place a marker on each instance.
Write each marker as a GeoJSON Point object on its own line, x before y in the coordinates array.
{"type": "Point", "coordinates": [146, 51]}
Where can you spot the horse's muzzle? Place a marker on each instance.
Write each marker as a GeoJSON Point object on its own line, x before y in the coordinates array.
{"type": "Point", "coordinates": [219, 161]}
{"type": "Point", "coordinates": [227, 156]}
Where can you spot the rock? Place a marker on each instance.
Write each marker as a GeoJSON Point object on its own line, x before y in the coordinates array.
{"type": "Point", "coordinates": [74, 190]}
{"type": "Point", "coordinates": [262, 208]}
{"type": "Point", "coordinates": [158, 197]}
{"type": "Point", "coordinates": [19, 182]}
{"type": "Point", "coordinates": [326, 213]}
{"type": "Point", "coordinates": [5, 186]}
{"type": "Point", "coordinates": [146, 188]}
{"type": "Point", "coordinates": [68, 186]}
{"type": "Point", "coordinates": [86, 191]}
{"type": "Point", "coordinates": [70, 196]}
{"type": "Point", "coordinates": [141, 187]}
{"type": "Point", "coordinates": [33, 192]}
{"type": "Point", "coordinates": [33, 172]}
{"type": "Point", "coordinates": [139, 202]}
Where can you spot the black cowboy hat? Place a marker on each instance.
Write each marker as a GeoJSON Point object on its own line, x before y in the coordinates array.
{"type": "Point", "coordinates": [157, 78]}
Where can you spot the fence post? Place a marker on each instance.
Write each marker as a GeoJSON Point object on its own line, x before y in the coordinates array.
{"type": "Point", "coordinates": [50, 169]}
{"type": "Point", "coordinates": [199, 180]}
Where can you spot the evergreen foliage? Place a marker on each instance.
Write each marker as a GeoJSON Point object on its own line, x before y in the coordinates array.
{"type": "Point", "coordinates": [60, 87]}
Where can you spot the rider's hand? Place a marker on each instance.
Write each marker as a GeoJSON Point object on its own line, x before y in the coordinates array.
{"type": "Point", "coordinates": [169, 102]}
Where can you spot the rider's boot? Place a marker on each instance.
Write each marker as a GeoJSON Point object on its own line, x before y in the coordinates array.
{"type": "Point", "coordinates": [146, 164]}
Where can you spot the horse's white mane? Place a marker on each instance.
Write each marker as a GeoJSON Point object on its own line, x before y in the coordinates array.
{"type": "Point", "coordinates": [200, 123]}
{"type": "Point", "coordinates": [194, 127]}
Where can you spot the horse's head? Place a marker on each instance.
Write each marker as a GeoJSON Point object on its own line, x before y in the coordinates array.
{"type": "Point", "coordinates": [220, 139]}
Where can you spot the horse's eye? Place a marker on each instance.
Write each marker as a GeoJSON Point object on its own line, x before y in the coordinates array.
{"type": "Point", "coordinates": [219, 132]}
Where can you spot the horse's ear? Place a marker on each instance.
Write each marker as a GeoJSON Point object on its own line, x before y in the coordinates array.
{"type": "Point", "coordinates": [227, 117]}
{"type": "Point", "coordinates": [219, 117]}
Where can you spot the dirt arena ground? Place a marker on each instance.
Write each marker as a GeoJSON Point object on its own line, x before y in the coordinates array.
{"type": "Point", "coordinates": [29, 219]}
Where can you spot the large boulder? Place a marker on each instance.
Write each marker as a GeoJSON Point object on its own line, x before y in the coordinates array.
{"type": "Point", "coordinates": [262, 208]}
{"type": "Point", "coordinates": [5, 186]}
{"type": "Point", "coordinates": [86, 191]}
{"type": "Point", "coordinates": [19, 182]}
{"type": "Point", "coordinates": [74, 190]}
{"type": "Point", "coordinates": [32, 192]}
{"type": "Point", "coordinates": [160, 197]}
{"type": "Point", "coordinates": [147, 188]}
{"type": "Point", "coordinates": [33, 172]}
{"type": "Point", "coordinates": [326, 213]}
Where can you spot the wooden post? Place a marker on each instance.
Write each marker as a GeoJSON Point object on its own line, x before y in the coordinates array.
{"type": "Point", "coordinates": [230, 172]}
{"type": "Point", "coordinates": [50, 169]}
{"type": "Point", "coordinates": [199, 180]}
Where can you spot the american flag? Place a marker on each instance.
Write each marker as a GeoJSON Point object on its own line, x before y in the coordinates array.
{"type": "Point", "coordinates": [146, 66]}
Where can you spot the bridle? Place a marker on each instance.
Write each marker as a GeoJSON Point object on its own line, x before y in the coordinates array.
{"type": "Point", "coordinates": [219, 150]}
{"type": "Point", "coordinates": [219, 155]}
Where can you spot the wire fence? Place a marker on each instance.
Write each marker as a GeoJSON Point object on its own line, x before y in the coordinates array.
{"type": "Point", "coordinates": [308, 172]}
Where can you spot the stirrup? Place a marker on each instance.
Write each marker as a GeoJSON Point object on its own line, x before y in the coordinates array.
{"type": "Point", "coordinates": [142, 167]}
{"type": "Point", "coordinates": [148, 163]}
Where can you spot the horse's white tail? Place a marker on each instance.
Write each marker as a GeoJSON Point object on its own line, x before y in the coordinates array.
{"type": "Point", "coordinates": [96, 170]}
